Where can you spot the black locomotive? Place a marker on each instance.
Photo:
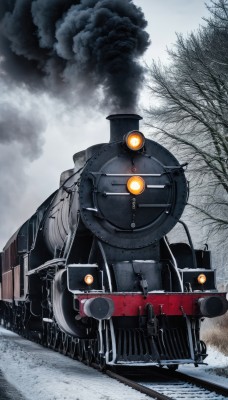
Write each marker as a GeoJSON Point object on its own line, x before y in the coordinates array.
{"type": "Point", "coordinates": [93, 272]}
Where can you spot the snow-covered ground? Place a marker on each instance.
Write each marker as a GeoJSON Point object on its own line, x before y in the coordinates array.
{"type": "Point", "coordinates": [41, 374]}
{"type": "Point", "coordinates": [216, 371]}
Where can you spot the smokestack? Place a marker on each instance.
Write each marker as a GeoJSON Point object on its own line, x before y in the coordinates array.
{"type": "Point", "coordinates": [120, 124]}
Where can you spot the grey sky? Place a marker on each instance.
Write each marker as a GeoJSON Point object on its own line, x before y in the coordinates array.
{"type": "Point", "coordinates": [166, 17]}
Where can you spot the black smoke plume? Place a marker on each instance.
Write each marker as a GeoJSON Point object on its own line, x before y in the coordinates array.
{"type": "Point", "coordinates": [80, 46]}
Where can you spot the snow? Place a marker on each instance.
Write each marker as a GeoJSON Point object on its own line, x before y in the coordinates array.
{"type": "Point", "coordinates": [215, 371]}
{"type": "Point", "coordinates": [39, 373]}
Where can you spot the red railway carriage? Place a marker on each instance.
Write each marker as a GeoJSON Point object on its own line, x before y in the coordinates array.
{"type": "Point", "coordinates": [93, 267]}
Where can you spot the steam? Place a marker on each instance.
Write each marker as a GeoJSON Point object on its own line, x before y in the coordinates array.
{"type": "Point", "coordinates": [79, 47]}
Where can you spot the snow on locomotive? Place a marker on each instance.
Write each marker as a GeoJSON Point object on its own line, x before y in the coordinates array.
{"type": "Point", "coordinates": [93, 272]}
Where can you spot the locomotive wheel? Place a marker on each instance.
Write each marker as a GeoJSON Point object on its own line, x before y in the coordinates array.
{"type": "Point", "coordinates": [16, 321]}
{"type": "Point", "coordinates": [173, 367]}
{"type": "Point", "coordinates": [50, 336]}
{"type": "Point", "coordinates": [44, 335]}
{"type": "Point", "coordinates": [102, 363]}
{"type": "Point", "coordinates": [61, 339]}
{"type": "Point", "coordinates": [65, 344]}
{"type": "Point", "coordinates": [73, 348]}
{"type": "Point", "coordinates": [56, 339]}
{"type": "Point", "coordinates": [203, 349]}
{"type": "Point", "coordinates": [88, 351]}
{"type": "Point", "coordinates": [81, 350]}
{"type": "Point", "coordinates": [46, 330]}
{"type": "Point", "coordinates": [93, 349]}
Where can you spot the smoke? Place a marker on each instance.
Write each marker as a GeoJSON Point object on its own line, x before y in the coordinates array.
{"type": "Point", "coordinates": [76, 47]}
{"type": "Point", "coordinates": [18, 126]}
{"type": "Point", "coordinates": [21, 140]}
{"type": "Point", "coordinates": [76, 51]}
{"type": "Point", "coordinates": [12, 186]}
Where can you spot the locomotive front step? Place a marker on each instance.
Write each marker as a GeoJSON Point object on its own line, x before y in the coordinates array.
{"type": "Point", "coordinates": [134, 345]}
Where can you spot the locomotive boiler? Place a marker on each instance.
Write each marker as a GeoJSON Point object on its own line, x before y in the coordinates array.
{"type": "Point", "coordinates": [93, 272]}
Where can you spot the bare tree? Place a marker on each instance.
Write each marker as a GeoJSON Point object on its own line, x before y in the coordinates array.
{"type": "Point", "coordinates": [191, 111]}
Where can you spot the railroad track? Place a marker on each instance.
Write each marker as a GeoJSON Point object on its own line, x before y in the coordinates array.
{"type": "Point", "coordinates": [167, 385]}
{"type": "Point", "coordinates": [155, 382]}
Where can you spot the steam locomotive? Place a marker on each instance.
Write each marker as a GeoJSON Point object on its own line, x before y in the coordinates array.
{"type": "Point", "coordinates": [93, 272]}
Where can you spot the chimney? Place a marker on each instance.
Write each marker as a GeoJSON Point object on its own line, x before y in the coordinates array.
{"type": "Point", "coordinates": [120, 124]}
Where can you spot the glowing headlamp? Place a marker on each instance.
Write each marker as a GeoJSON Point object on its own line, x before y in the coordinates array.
{"type": "Point", "coordinates": [135, 140]}
{"type": "Point", "coordinates": [88, 279]}
{"type": "Point", "coordinates": [136, 185]}
{"type": "Point", "coordinates": [201, 279]}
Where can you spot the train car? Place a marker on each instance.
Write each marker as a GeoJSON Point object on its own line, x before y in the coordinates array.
{"type": "Point", "coordinates": [93, 271]}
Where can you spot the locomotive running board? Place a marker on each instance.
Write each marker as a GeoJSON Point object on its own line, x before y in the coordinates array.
{"type": "Point", "coordinates": [51, 263]}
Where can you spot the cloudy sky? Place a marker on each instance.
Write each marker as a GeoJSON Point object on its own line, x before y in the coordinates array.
{"type": "Point", "coordinates": [26, 181]}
